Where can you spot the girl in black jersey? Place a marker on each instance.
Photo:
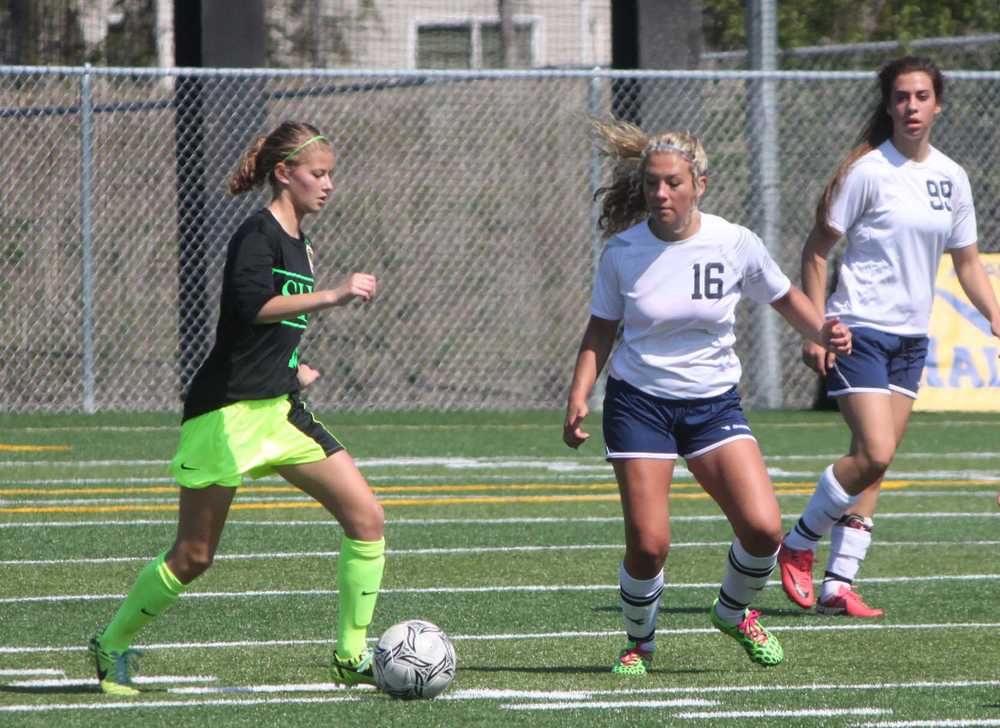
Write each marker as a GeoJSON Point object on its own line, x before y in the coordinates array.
{"type": "Point", "coordinates": [243, 415]}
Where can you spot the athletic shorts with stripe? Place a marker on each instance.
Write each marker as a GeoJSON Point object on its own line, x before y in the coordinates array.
{"type": "Point", "coordinates": [879, 362]}
{"type": "Point", "coordinates": [639, 425]}
{"type": "Point", "coordinates": [249, 439]}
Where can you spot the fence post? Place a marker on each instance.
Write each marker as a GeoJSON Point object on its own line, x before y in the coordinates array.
{"type": "Point", "coordinates": [86, 236]}
{"type": "Point", "coordinates": [596, 244]}
{"type": "Point", "coordinates": [766, 376]}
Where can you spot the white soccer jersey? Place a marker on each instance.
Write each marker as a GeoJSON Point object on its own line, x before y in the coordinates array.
{"type": "Point", "coordinates": [899, 217]}
{"type": "Point", "coordinates": [677, 301]}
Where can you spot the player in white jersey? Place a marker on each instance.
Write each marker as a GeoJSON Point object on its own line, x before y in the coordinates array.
{"type": "Point", "coordinates": [673, 275]}
{"type": "Point", "coordinates": [901, 204]}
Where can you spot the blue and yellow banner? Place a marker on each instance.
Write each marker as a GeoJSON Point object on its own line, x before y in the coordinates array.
{"type": "Point", "coordinates": [963, 371]}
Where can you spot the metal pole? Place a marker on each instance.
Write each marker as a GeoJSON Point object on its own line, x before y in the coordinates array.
{"type": "Point", "coordinates": [766, 375]}
{"type": "Point", "coordinates": [87, 238]}
{"type": "Point", "coordinates": [596, 243]}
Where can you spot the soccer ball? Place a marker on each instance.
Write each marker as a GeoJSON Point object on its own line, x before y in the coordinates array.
{"type": "Point", "coordinates": [414, 659]}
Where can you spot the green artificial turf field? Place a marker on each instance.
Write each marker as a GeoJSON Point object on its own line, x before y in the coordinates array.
{"type": "Point", "coordinates": [510, 542]}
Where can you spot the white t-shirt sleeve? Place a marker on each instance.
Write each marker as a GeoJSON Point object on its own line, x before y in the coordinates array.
{"type": "Point", "coordinates": [850, 201]}
{"type": "Point", "coordinates": [763, 280]}
{"type": "Point", "coordinates": [607, 301]}
{"type": "Point", "coordinates": [963, 227]}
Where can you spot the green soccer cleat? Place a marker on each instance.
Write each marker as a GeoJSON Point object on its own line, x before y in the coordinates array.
{"type": "Point", "coordinates": [762, 646]}
{"type": "Point", "coordinates": [633, 661]}
{"type": "Point", "coordinates": [355, 671]}
{"type": "Point", "coordinates": [114, 669]}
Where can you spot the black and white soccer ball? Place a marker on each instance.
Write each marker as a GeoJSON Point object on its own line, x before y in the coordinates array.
{"type": "Point", "coordinates": [414, 659]}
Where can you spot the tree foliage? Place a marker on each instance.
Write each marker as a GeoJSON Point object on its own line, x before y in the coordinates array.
{"type": "Point", "coordinates": [823, 22]}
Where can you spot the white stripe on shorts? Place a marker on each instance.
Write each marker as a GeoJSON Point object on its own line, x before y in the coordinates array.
{"type": "Point", "coordinates": [902, 390]}
{"type": "Point", "coordinates": [639, 455]}
{"type": "Point", "coordinates": [715, 445]}
{"type": "Point", "coordinates": [858, 390]}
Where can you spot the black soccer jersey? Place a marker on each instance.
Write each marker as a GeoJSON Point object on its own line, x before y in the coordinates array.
{"type": "Point", "coordinates": [253, 360]}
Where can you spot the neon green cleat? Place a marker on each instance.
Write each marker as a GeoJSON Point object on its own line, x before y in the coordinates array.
{"type": "Point", "coordinates": [114, 669]}
{"type": "Point", "coordinates": [355, 671]}
{"type": "Point", "coordinates": [633, 661]}
{"type": "Point", "coordinates": [762, 646]}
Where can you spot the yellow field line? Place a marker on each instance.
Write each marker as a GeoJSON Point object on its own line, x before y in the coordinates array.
{"type": "Point", "coordinates": [35, 448]}
{"type": "Point", "coordinates": [257, 489]}
{"type": "Point", "coordinates": [313, 504]}
{"type": "Point", "coordinates": [783, 487]}
{"type": "Point", "coordinates": [786, 488]}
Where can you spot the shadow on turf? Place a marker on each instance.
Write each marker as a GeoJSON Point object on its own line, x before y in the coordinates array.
{"type": "Point", "coordinates": [52, 690]}
{"type": "Point", "coordinates": [704, 610]}
{"type": "Point", "coordinates": [63, 690]}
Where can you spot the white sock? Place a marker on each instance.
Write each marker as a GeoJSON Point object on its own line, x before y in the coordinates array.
{"type": "Point", "coordinates": [828, 503]}
{"type": "Point", "coordinates": [745, 577]}
{"type": "Point", "coordinates": [640, 599]}
{"type": "Point", "coordinates": [849, 543]}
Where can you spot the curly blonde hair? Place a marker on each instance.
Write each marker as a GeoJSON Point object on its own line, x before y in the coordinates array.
{"type": "Point", "coordinates": [629, 147]}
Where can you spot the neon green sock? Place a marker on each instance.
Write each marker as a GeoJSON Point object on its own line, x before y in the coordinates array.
{"type": "Point", "coordinates": [155, 590]}
{"type": "Point", "coordinates": [359, 575]}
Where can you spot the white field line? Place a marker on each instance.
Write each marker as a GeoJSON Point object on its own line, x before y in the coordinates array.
{"type": "Point", "coordinates": [487, 694]}
{"type": "Point", "coordinates": [616, 704]}
{"type": "Point", "coordinates": [803, 713]}
{"type": "Point", "coordinates": [832, 422]}
{"type": "Point", "coordinates": [23, 673]}
{"type": "Point", "coordinates": [463, 551]}
{"type": "Point", "coordinates": [486, 485]}
{"type": "Point", "coordinates": [939, 723]}
{"type": "Point", "coordinates": [833, 626]}
{"type": "Point", "coordinates": [92, 682]}
{"type": "Point", "coordinates": [511, 589]}
{"type": "Point", "coordinates": [172, 704]}
{"type": "Point", "coordinates": [384, 497]}
{"type": "Point", "coordinates": [493, 694]}
{"type": "Point", "coordinates": [465, 463]}
{"type": "Point", "coordinates": [95, 428]}
{"type": "Point", "coordinates": [293, 688]}
{"type": "Point", "coordinates": [237, 522]}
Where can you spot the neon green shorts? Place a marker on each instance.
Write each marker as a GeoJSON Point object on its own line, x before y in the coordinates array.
{"type": "Point", "coordinates": [249, 438]}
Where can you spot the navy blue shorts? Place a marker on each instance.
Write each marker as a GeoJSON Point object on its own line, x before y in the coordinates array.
{"type": "Point", "coordinates": [639, 425]}
{"type": "Point", "coordinates": [879, 362]}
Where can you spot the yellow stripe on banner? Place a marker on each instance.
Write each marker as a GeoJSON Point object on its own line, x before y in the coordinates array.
{"type": "Point", "coordinates": [35, 448]}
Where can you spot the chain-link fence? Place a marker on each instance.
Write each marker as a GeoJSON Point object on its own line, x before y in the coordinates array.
{"type": "Point", "coordinates": [468, 195]}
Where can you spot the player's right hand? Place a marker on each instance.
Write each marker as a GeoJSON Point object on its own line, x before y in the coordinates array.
{"type": "Point", "coordinates": [573, 434]}
{"type": "Point", "coordinates": [817, 358]}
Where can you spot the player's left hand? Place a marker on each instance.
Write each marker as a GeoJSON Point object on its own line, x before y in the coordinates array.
{"type": "Point", "coordinates": [836, 336]}
{"type": "Point", "coordinates": [306, 375]}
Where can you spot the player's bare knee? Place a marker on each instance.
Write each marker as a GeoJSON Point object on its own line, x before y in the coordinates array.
{"type": "Point", "coordinates": [873, 465]}
{"type": "Point", "coordinates": [190, 560]}
{"type": "Point", "coordinates": [367, 523]}
{"type": "Point", "coordinates": [649, 553]}
{"type": "Point", "coordinates": [762, 541]}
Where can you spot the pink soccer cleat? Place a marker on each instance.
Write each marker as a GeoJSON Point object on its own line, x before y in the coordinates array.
{"type": "Point", "coordinates": [849, 603]}
{"type": "Point", "coordinates": [796, 575]}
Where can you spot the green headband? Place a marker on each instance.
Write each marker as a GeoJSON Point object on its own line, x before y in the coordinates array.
{"type": "Point", "coordinates": [303, 145]}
